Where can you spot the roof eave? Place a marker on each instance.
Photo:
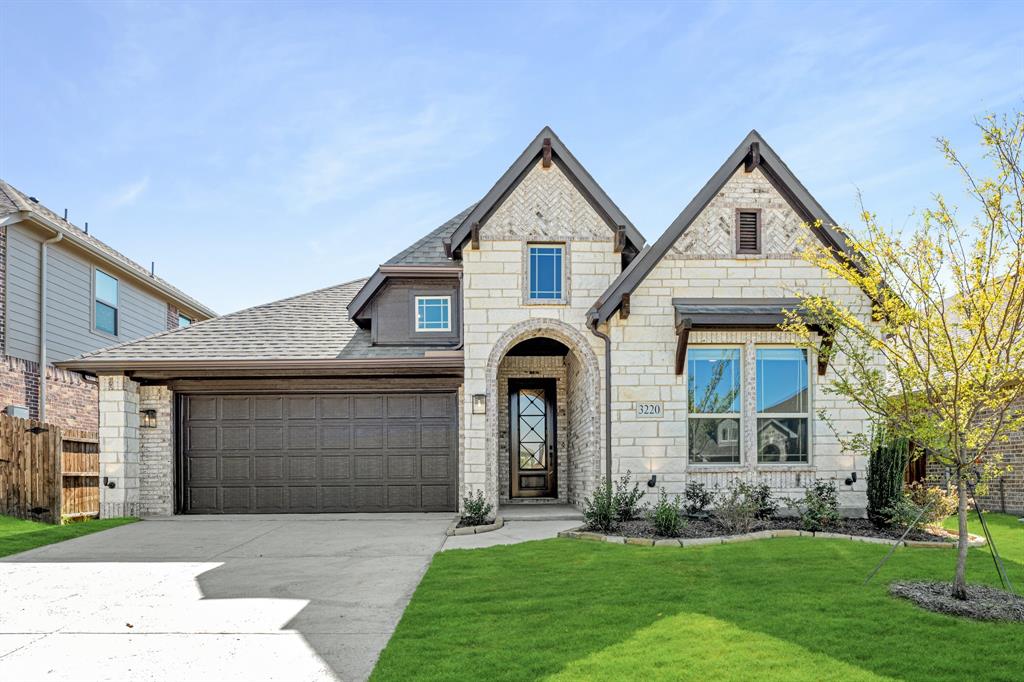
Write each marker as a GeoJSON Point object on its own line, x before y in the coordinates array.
{"type": "Point", "coordinates": [453, 360]}
{"type": "Point", "coordinates": [357, 306]}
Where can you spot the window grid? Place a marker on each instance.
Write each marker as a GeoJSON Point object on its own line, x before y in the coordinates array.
{"type": "Point", "coordinates": [433, 313]}
{"type": "Point", "coordinates": [546, 272]}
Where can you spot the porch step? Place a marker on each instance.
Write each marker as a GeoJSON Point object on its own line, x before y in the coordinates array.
{"type": "Point", "coordinates": [539, 512]}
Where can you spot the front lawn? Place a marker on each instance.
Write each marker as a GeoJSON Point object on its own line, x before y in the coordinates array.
{"type": "Point", "coordinates": [788, 608]}
{"type": "Point", "coordinates": [17, 535]}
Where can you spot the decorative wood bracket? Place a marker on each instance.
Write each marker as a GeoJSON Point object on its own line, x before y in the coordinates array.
{"type": "Point", "coordinates": [620, 239]}
{"type": "Point", "coordinates": [447, 244]}
{"type": "Point", "coordinates": [825, 354]}
{"type": "Point", "coordinates": [682, 339]}
{"type": "Point", "coordinates": [624, 308]}
{"type": "Point", "coordinates": [753, 158]}
{"type": "Point", "coordinates": [546, 154]}
{"type": "Point", "coordinates": [474, 237]}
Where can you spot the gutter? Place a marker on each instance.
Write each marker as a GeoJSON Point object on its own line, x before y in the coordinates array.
{"type": "Point", "coordinates": [445, 361]}
{"type": "Point", "coordinates": [42, 320]}
{"type": "Point", "coordinates": [592, 325]}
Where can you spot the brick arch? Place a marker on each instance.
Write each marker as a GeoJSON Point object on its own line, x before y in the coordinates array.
{"type": "Point", "coordinates": [580, 348]}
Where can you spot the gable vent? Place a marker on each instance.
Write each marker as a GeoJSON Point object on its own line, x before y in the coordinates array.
{"type": "Point", "coordinates": [748, 232]}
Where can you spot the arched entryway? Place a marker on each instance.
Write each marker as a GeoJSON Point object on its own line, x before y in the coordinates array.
{"type": "Point", "coordinates": [543, 382]}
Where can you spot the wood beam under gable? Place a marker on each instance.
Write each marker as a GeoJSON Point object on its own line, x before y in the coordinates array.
{"type": "Point", "coordinates": [753, 159]}
{"type": "Point", "coordinates": [682, 339]}
{"type": "Point", "coordinates": [546, 153]}
{"type": "Point", "coordinates": [624, 308]}
{"type": "Point", "coordinates": [474, 237]}
{"type": "Point", "coordinates": [620, 239]}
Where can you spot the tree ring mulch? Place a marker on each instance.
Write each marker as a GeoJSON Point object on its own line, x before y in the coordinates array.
{"type": "Point", "coordinates": [983, 603]}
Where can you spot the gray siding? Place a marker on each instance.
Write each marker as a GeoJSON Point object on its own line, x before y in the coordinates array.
{"type": "Point", "coordinates": [70, 330]}
{"type": "Point", "coordinates": [394, 312]}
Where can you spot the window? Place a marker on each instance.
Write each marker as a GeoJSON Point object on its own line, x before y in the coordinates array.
{"type": "Point", "coordinates": [783, 405]}
{"type": "Point", "coordinates": [106, 303]}
{"type": "Point", "coordinates": [184, 321]}
{"type": "Point", "coordinates": [432, 314]}
{"type": "Point", "coordinates": [748, 231]}
{"type": "Point", "coordinates": [546, 273]}
{"type": "Point", "coordinates": [713, 385]}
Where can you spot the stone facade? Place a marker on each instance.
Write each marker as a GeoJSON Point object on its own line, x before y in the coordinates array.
{"type": "Point", "coordinates": [644, 346]}
{"type": "Point", "coordinates": [119, 446]}
{"type": "Point", "coordinates": [156, 453]}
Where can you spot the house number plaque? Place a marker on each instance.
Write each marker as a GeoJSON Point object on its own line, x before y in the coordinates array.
{"type": "Point", "coordinates": [650, 410]}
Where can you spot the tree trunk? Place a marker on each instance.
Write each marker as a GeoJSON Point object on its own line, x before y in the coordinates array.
{"type": "Point", "coordinates": [960, 582]}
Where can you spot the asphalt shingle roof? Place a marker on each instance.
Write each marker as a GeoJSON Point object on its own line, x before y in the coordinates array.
{"type": "Point", "coordinates": [13, 200]}
{"type": "Point", "coordinates": [311, 326]}
{"type": "Point", "coordinates": [429, 250]}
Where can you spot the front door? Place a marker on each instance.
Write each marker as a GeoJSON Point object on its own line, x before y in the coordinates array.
{"type": "Point", "coordinates": [532, 455]}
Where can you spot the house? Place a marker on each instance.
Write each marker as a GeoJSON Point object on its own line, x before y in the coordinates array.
{"type": "Point", "coordinates": [63, 293]}
{"type": "Point", "coordinates": [528, 347]}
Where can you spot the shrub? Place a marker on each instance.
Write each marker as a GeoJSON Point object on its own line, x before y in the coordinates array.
{"type": "Point", "coordinates": [698, 498]}
{"type": "Point", "coordinates": [886, 467]}
{"type": "Point", "coordinates": [819, 510]}
{"type": "Point", "coordinates": [626, 500]}
{"type": "Point", "coordinates": [665, 516]}
{"type": "Point", "coordinates": [942, 504]}
{"type": "Point", "coordinates": [476, 510]}
{"type": "Point", "coordinates": [903, 513]}
{"type": "Point", "coordinates": [738, 508]}
{"type": "Point", "coordinates": [765, 502]}
{"type": "Point", "coordinates": [599, 512]}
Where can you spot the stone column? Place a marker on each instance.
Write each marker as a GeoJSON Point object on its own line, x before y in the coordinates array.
{"type": "Point", "coordinates": [119, 446]}
{"type": "Point", "coordinates": [156, 454]}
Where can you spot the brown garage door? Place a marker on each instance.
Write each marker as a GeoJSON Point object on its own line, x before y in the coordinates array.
{"type": "Point", "coordinates": [318, 453]}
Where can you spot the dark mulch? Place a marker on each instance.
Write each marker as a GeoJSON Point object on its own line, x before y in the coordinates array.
{"type": "Point", "coordinates": [711, 527]}
{"type": "Point", "coordinates": [983, 602]}
{"type": "Point", "coordinates": [463, 523]}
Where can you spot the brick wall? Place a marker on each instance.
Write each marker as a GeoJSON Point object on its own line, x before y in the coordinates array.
{"type": "Point", "coordinates": [3, 290]}
{"type": "Point", "coordinates": [71, 398]}
{"type": "Point", "coordinates": [156, 453]}
{"type": "Point", "coordinates": [172, 316]}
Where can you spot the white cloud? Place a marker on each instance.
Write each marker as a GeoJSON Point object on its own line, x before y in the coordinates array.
{"type": "Point", "coordinates": [126, 195]}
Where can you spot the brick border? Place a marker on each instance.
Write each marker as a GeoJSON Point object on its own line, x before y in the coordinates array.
{"type": "Point", "coordinates": [453, 528]}
{"type": "Point", "coordinates": [581, 534]}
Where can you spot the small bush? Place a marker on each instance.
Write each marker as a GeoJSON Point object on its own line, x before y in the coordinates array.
{"type": "Point", "coordinates": [943, 504]}
{"type": "Point", "coordinates": [599, 512]}
{"type": "Point", "coordinates": [476, 510]}
{"type": "Point", "coordinates": [665, 516]}
{"type": "Point", "coordinates": [738, 508]}
{"type": "Point", "coordinates": [765, 502]}
{"type": "Point", "coordinates": [627, 500]}
{"type": "Point", "coordinates": [698, 498]}
{"type": "Point", "coordinates": [819, 510]}
{"type": "Point", "coordinates": [886, 467]}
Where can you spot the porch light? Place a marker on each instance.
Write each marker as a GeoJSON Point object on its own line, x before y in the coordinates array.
{"type": "Point", "coordinates": [652, 481]}
{"type": "Point", "coordinates": [480, 403]}
{"type": "Point", "coordinates": [147, 419]}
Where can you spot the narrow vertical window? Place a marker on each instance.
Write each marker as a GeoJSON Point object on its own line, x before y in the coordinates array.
{"type": "Point", "coordinates": [432, 313]}
{"type": "Point", "coordinates": [748, 231]}
{"type": "Point", "coordinates": [106, 303]}
{"type": "Point", "coordinates": [713, 386]}
{"type": "Point", "coordinates": [546, 272]}
{"type": "Point", "coordinates": [184, 321]}
{"type": "Point", "coordinates": [783, 405]}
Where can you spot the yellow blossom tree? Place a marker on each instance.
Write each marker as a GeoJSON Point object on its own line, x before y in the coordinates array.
{"type": "Point", "coordinates": [942, 361]}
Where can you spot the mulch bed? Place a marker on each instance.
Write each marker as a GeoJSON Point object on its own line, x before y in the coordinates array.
{"type": "Point", "coordinates": [710, 527]}
{"type": "Point", "coordinates": [983, 602]}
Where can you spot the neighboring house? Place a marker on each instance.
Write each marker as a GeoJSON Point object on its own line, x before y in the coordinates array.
{"type": "Point", "coordinates": [504, 352]}
{"type": "Point", "coordinates": [63, 293]}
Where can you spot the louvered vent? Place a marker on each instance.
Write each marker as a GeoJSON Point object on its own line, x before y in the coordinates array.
{"type": "Point", "coordinates": [748, 234]}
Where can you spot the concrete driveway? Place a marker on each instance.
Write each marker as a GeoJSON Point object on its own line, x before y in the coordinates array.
{"type": "Point", "coordinates": [214, 598]}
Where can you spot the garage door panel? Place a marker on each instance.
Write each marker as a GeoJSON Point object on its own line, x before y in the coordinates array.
{"type": "Point", "coordinates": [319, 453]}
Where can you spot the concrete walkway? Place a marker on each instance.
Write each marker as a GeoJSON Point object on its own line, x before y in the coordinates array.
{"type": "Point", "coordinates": [214, 598]}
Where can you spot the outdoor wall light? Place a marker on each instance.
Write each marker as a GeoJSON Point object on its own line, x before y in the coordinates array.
{"type": "Point", "coordinates": [147, 419]}
{"type": "Point", "coordinates": [480, 403]}
{"type": "Point", "coordinates": [652, 481]}
{"type": "Point", "coordinates": [852, 479]}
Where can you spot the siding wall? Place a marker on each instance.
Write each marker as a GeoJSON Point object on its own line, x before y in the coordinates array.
{"type": "Point", "coordinates": [70, 329]}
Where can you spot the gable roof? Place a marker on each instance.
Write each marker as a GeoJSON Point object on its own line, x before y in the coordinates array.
{"type": "Point", "coordinates": [311, 328]}
{"type": "Point", "coordinates": [429, 250]}
{"type": "Point", "coordinates": [573, 169]}
{"type": "Point", "coordinates": [755, 151]}
{"type": "Point", "coordinates": [15, 203]}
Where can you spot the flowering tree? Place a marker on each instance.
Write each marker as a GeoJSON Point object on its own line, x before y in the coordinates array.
{"type": "Point", "coordinates": [942, 361]}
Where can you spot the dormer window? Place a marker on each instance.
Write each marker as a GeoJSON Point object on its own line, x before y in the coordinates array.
{"type": "Point", "coordinates": [433, 314]}
{"type": "Point", "coordinates": [748, 231]}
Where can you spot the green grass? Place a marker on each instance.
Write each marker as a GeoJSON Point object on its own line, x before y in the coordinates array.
{"type": "Point", "coordinates": [17, 535]}
{"type": "Point", "coordinates": [782, 609]}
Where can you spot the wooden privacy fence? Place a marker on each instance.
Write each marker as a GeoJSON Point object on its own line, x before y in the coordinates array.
{"type": "Point", "coordinates": [47, 473]}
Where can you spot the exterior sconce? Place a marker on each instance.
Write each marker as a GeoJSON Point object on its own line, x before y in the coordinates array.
{"type": "Point", "coordinates": [147, 419]}
{"type": "Point", "coordinates": [652, 481]}
{"type": "Point", "coordinates": [480, 403]}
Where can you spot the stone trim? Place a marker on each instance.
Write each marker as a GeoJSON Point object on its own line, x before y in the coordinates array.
{"type": "Point", "coordinates": [566, 274]}
{"type": "Point", "coordinates": [453, 528]}
{"type": "Point", "coordinates": [581, 534]}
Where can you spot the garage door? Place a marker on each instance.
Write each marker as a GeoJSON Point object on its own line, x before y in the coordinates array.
{"type": "Point", "coordinates": [318, 453]}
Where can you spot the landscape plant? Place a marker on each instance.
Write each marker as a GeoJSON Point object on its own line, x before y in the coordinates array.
{"type": "Point", "coordinates": [628, 498]}
{"type": "Point", "coordinates": [698, 498]}
{"type": "Point", "coordinates": [739, 507]}
{"type": "Point", "coordinates": [599, 511]}
{"type": "Point", "coordinates": [819, 509]}
{"type": "Point", "coordinates": [666, 515]}
{"type": "Point", "coordinates": [938, 357]}
{"type": "Point", "coordinates": [476, 510]}
{"type": "Point", "coordinates": [886, 470]}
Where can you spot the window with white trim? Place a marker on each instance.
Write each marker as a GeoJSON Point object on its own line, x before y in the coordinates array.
{"type": "Point", "coordinates": [105, 303]}
{"type": "Point", "coordinates": [433, 313]}
{"type": "Point", "coordinates": [546, 272]}
{"type": "Point", "coordinates": [714, 388]}
{"type": "Point", "coordinates": [783, 406]}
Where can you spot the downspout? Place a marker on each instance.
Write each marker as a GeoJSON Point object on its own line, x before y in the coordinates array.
{"type": "Point", "coordinates": [592, 323]}
{"type": "Point", "coordinates": [42, 322]}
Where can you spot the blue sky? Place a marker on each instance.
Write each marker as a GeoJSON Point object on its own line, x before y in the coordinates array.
{"type": "Point", "coordinates": [256, 151]}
